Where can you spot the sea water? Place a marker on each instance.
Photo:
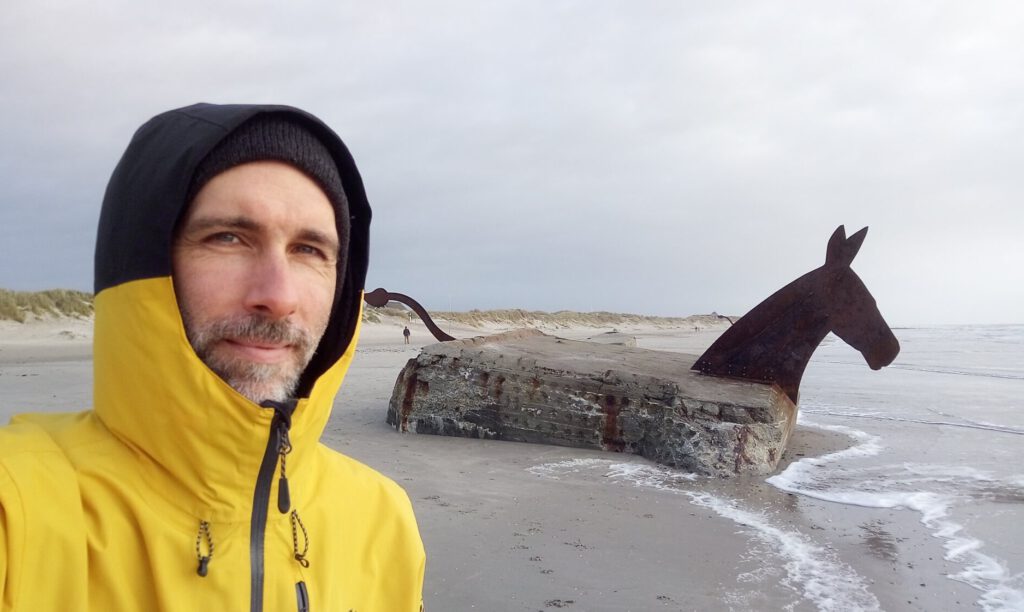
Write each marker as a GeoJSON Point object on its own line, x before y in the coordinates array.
{"type": "Point", "coordinates": [938, 434]}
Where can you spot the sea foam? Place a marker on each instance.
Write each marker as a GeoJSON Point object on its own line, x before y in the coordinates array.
{"type": "Point", "coordinates": [928, 489]}
{"type": "Point", "coordinates": [812, 571]}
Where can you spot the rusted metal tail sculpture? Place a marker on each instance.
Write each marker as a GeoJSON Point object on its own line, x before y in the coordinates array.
{"type": "Point", "coordinates": [774, 341]}
{"type": "Point", "coordinates": [380, 298]}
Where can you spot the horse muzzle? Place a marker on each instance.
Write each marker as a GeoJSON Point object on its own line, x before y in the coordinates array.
{"type": "Point", "coordinates": [882, 353]}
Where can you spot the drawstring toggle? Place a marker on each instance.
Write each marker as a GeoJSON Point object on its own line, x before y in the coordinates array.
{"type": "Point", "coordinates": [204, 560]}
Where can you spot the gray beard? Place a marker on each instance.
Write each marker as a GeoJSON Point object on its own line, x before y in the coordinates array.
{"type": "Point", "coordinates": [258, 382]}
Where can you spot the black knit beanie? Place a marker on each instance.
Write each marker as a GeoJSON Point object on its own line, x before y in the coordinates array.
{"type": "Point", "coordinates": [273, 137]}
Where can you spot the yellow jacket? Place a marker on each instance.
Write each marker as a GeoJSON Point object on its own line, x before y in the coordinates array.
{"type": "Point", "coordinates": [112, 509]}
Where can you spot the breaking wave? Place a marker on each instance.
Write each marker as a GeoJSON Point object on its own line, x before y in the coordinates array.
{"type": "Point", "coordinates": [930, 490]}
{"type": "Point", "coordinates": [812, 570]}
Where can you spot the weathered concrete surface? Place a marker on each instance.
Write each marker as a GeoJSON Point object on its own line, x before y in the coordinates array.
{"type": "Point", "coordinates": [526, 386]}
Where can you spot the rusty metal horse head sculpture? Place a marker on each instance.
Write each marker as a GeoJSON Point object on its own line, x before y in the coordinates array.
{"type": "Point", "coordinates": [774, 341]}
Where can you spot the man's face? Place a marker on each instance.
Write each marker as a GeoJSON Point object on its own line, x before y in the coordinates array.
{"type": "Point", "coordinates": [254, 271]}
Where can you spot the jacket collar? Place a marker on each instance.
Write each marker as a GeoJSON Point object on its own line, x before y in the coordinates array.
{"type": "Point", "coordinates": [198, 441]}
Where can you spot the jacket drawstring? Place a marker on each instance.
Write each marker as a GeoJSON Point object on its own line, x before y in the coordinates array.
{"type": "Point", "coordinates": [300, 557]}
{"type": "Point", "coordinates": [284, 503]}
{"type": "Point", "coordinates": [204, 560]}
{"type": "Point", "coordinates": [284, 446]}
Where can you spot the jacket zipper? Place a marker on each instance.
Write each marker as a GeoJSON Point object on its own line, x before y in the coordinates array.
{"type": "Point", "coordinates": [261, 499]}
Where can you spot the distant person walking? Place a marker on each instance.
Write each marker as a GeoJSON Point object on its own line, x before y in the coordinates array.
{"type": "Point", "coordinates": [406, 333]}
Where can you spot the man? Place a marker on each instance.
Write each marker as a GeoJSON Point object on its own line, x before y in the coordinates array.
{"type": "Point", "coordinates": [230, 261]}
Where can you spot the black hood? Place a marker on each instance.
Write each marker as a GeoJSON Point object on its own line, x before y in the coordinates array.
{"type": "Point", "coordinates": [147, 194]}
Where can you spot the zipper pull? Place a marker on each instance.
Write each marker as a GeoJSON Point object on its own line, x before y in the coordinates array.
{"type": "Point", "coordinates": [284, 498]}
{"type": "Point", "coordinates": [284, 446]}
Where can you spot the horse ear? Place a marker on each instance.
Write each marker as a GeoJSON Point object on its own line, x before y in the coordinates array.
{"type": "Point", "coordinates": [841, 250]}
{"type": "Point", "coordinates": [834, 250]}
{"type": "Point", "coordinates": [853, 245]}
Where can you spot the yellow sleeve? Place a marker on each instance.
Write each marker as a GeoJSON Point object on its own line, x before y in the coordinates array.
{"type": "Point", "coordinates": [43, 556]}
{"type": "Point", "coordinates": [6, 598]}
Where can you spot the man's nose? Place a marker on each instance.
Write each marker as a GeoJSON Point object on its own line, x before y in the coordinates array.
{"type": "Point", "coordinates": [272, 289]}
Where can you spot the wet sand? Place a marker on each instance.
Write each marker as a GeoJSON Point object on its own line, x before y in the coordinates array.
{"type": "Point", "coordinates": [510, 526]}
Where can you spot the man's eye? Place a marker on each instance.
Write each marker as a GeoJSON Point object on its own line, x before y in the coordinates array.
{"type": "Point", "coordinates": [306, 249]}
{"type": "Point", "coordinates": [224, 238]}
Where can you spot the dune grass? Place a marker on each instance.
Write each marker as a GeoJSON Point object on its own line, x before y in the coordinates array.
{"type": "Point", "coordinates": [18, 305]}
{"type": "Point", "coordinates": [514, 317]}
{"type": "Point", "coordinates": [372, 314]}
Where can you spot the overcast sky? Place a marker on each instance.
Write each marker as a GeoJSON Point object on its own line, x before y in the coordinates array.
{"type": "Point", "coordinates": [664, 158]}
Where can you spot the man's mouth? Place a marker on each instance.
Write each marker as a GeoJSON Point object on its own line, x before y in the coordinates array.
{"type": "Point", "coordinates": [259, 351]}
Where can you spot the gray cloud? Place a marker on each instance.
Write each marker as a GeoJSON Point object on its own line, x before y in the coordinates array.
{"type": "Point", "coordinates": [659, 157]}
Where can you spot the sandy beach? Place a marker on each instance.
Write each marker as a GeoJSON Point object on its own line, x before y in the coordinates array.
{"type": "Point", "coordinates": [511, 526]}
